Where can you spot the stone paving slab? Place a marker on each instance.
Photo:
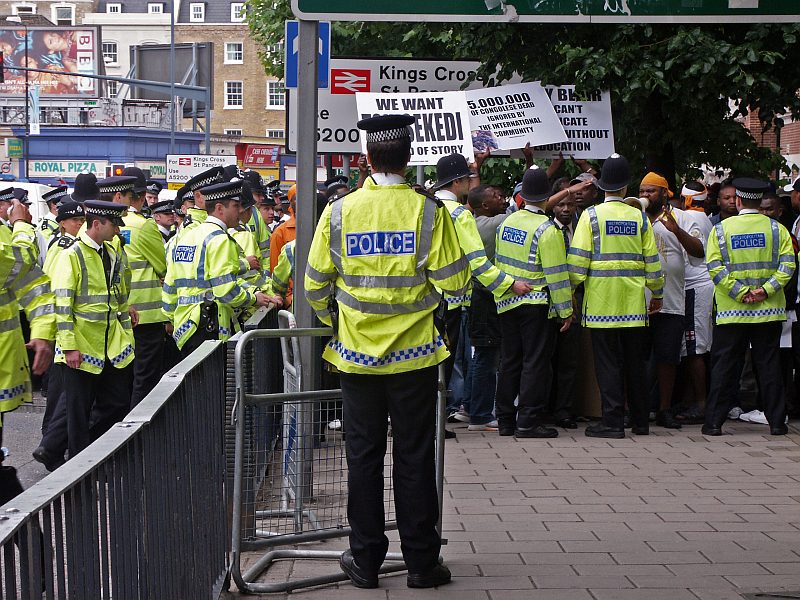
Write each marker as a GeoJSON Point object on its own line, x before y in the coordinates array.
{"type": "Point", "coordinates": [672, 516]}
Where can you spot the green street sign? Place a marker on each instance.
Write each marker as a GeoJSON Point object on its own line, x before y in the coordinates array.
{"type": "Point", "coordinates": [556, 11]}
{"type": "Point", "coordinates": [14, 147]}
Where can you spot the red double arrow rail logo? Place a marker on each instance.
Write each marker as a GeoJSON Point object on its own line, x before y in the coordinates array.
{"type": "Point", "coordinates": [350, 81]}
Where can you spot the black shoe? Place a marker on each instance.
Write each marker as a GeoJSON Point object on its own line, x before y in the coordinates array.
{"type": "Point", "coordinates": [694, 415]}
{"type": "Point", "coordinates": [666, 419]}
{"type": "Point", "coordinates": [50, 461]}
{"type": "Point", "coordinates": [540, 431]}
{"type": "Point", "coordinates": [641, 430]}
{"type": "Point", "coordinates": [449, 435]}
{"type": "Point", "coordinates": [438, 575]}
{"type": "Point", "coordinates": [359, 577]}
{"type": "Point", "coordinates": [715, 431]}
{"type": "Point", "coordinates": [779, 430]}
{"type": "Point", "coordinates": [506, 428]}
{"type": "Point", "coordinates": [567, 423]}
{"type": "Point", "coordinates": [601, 431]}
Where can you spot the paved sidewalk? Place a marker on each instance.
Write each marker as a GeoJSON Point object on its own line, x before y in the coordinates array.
{"type": "Point", "coordinates": [673, 515]}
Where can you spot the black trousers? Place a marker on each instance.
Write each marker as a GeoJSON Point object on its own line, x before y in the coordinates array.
{"type": "Point", "coordinates": [527, 346]}
{"type": "Point", "coordinates": [149, 361]}
{"type": "Point", "coordinates": [410, 400]}
{"type": "Point", "coordinates": [55, 389]}
{"type": "Point", "coordinates": [727, 358]}
{"type": "Point", "coordinates": [566, 359]}
{"type": "Point", "coordinates": [620, 358]}
{"type": "Point", "coordinates": [452, 321]}
{"type": "Point", "coordinates": [89, 406]}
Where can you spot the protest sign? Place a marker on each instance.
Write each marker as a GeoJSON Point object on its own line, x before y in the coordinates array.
{"type": "Point", "coordinates": [587, 123]}
{"type": "Point", "coordinates": [441, 124]}
{"type": "Point", "coordinates": [510, 116]}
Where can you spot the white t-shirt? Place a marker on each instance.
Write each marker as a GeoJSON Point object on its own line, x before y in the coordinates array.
{"type": "Point", "coordinates": [699, 226]}
{"type": "Point", "coordinates": [673, 264]}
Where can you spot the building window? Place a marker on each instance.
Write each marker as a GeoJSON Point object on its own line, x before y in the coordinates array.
{"type": "Point", "coordinates": [110, 54]}
{"type": "Point", "coordinates": [63, 15]}
{"type": "Point", "coordinates": [112, 89]}
{"type": "Point", "coordinates": [237, 12]}
{"type": "Point", "coordinates": [234, 53]}
{"type": "Point", "coordinates": [234, 94]}
{"type": "Point", "coordinates": [197, 12]}
{"type": "Point", "coordinates": [113, 9]}
{"type": "Point", "coordinates": [234, 132]}
{"type": "Point", "coordinates": [155, 8]}
{"type": "Point", "coordinates": [23, 9]}
{"type": "Point", "coordinates": [276, 94]}
{"type": "Point", "coordinates": [275, 134]}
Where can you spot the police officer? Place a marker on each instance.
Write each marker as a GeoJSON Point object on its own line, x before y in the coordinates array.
{"type": "Point", "coordinates": [203, 286]}
{"type": "Point", "coordinates": [196, 211]}
{"type": "Point", "coordinates": [164, 216]}
{"type": "Point", "coordinates": [750, 259]}
{"type": "Point", "coordinates": [24, 284]}
{"type": "Point", "coordinates": [94, 338]}
{"type": "Point", "coordinates": [151, 193]}
{"type": "Point", "coordinates": [246, 239]}
{"type": "Point", "coordinates": [259, 228]}
{"type": "Point", "coordinates": [614, 253]}
{"type": "Point", "coordinates": [48, 226]}
{"type": "Point", "coordinates": [530, 248]}
{"type": "Point", "coordinates": [378, 252]}
{"type": "Point", "coordinates": [283, 275]}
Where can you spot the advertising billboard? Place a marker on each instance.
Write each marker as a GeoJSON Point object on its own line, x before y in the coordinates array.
{"type": "Point", "coordinates": [55, 49]}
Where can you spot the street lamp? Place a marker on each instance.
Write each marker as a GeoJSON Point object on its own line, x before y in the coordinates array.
{"type": "Point", "coordinates": [26, 149]}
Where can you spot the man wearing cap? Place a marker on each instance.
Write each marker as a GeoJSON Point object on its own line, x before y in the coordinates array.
{"type": "Point", "coordinates": [144, 248]}
{"type": "Point", "coordinates": [48, 226]}
{"type": "Point", "coordinates": [203, 287]}
{"type": "Point", "coordinates": [246, 239]}
{"type": "Point", "coordinates": [585, 196]}
{"type": "Point", "coordinates": [255, 223]}
{"type": "Point", "coordinates": [380, 252]}
{"type": "Point", "coordinates": [94, 339]}
{"type": "Point", "coordinates": [197, 213]}
{"type": "Point", "coordinates": [26, 237]}
{"type": "Point", "coordinates": [25, 285]}
{"type": "Point", "coordinates": [750, 258]}
{"type": "Point", "coordinates": [151, 193]}
{"type": "Point", "coordinates": [530, 248]}
{"type": "Point", "coordinates": [164, 217]}
{"type": "Point", "coordinates": [336, 186]}
{"type": "Point", "coordinates": [286, 232]}
{"type": "Point", "coordinates": [6, 200]}
{"type": "Point", "coordinates": [613, 252]}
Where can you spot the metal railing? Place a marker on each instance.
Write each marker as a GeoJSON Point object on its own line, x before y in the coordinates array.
{"type": "Point", "coordinates": [141, 513]}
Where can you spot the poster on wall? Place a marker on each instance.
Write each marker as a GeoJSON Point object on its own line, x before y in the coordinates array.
{"type": "Point", "coordinates": [58, 50]}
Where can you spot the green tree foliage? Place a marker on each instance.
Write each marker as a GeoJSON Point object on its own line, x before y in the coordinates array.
{"type": "Point", "coordinates": [678, 92]}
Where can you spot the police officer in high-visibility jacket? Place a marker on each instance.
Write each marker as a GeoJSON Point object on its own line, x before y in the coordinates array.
{"type": "Point", "coordinates": [204, 286]}
{"type": "Point", "coordinates": [196, 210]}
{"type": "Point", "coordinates": [750, 259]}
{"type": "Point", "coordinates": [283, 275]}
{"type": "Point", "coordinates": [377, 253]}
{"type": "Point", "coordinates": [25, 285]}
{"type": "Point", "coordinates": [531, 249]}
{"type": "Point", "coordinates": [255, 223]}
{"type": "Point", "coordinates": [614, 253]}
{"type": "Point", "coordinates": [48, 226]}
{"type": "Point", "coordinates": [94, 338]}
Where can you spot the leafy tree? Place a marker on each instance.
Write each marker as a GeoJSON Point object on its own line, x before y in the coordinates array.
{"type": "Point", "coordinates": [678, 92]}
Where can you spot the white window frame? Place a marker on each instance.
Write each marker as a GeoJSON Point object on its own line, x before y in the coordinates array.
{"type": "Point", "coordinates": [116, 52]}
{"type": "Point", "coordinates": [281, 134]}
{"type": "Point", "coordinates": [240, 7]}
{"type": "Point", "coordinates": [200, 17]}
{"type": "Point", "coordinates": [54, 13]}
{"type": "Point", "coordinates": [112, 89]}
{"type": "Point", "coordinates": [233, 132]}
{"type": "Point", "coordinates": [233, 61]}
{"type": "Point", "coordinates": [276, 105]}
{"type": "Point", "coordinates": [155, 8]}
{"type": "Point", "coordinates": [228, 105]}
{"type": "Point", "coordinates": [28, 8]}
{"type": "Point", "coordinates": [113, 9]}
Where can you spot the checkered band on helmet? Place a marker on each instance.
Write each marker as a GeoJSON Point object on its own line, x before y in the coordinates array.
{"type": "Point", "coordinates": [153, 188]}
{"type": "Point", "coordinates": [103, 212]}
{"type": "Point", "coordinates": [55, 195]}
{"type": "Point", "coordinates": [8, 197]}
{"type": "Point", "coordinates": [224, 194]}
{"type": "Point", "coordinates": [750, 195]}
{"type": "Point", "coordinates": [201, 183]}
{"type": "Point", "coordinates": [112, 189]}
{"type": "Point", "coordinates": [388, 135]}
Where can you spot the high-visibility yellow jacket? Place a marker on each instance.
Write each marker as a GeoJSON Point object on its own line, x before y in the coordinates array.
{"type": "Point", "coordinates": [144, 248]}
{"type": "Point", "coordinates": [48, 226]}
{"type": "Point", "coordinates": [91, 311]}
{"type": "Point", "coordinates": [23, 284]}
{"type": "Point", "coordinates": [746, 252]}
{"type": "Point", "coordinates": [490, 276]}
{"type": "Point", "coordinates": [262, 235]}
{"type": "Point", "coordinates": [58, 244]}
{"type": "Point", "coordinates": [196, 217]}
{"type": "Point", "coordinates": [283, 275]}
{"type": "Point", "coordinates": [531, 248]}
{"type": "Point", "coordinates": [205, 265]}
{"type": "Point", "coordinates": [380, 251]}
{"type": "Point", "coordinates": [246, 240]}
{"type": "Point", "coordinates": [614, 252]}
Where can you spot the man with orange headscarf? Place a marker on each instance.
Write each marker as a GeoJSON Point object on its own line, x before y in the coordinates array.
{"type": "Point", "coordinates": [284, 233]}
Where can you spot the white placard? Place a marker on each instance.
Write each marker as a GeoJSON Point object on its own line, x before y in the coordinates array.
{"type": "Point", "coordinates": [510, 116]}
{"type": "Point", "coordinates": [587, 123]}
{"type": "Point", "coordinates": [441, 125]}
{"type": "Point", "coordinates": [66, 168]}
{"type": "Point", "coordinates": [182, 167]}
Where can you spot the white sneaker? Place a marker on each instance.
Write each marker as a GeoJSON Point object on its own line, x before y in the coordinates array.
{"type": "Point", "coordinates": [734, 413]}
{"type": "Point", "coordinates": [758, 417]}
{"type": "Point", "coordinates": [335, 425]}
{"type": "Point", "coordinates": [460, 416]}
{"type": "Point", "coordinates": [490, 426]}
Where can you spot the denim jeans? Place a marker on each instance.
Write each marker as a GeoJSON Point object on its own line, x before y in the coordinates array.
{"type": "Point", "coordinates": [460, 379]}
{"type": "Point", "coordinates": [483, 372]}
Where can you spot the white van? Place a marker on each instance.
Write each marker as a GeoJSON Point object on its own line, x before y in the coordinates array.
{"type": "Point", "coordinates": [38, 206]}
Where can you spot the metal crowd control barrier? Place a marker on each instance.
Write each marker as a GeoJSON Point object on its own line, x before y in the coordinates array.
{"type": "Point", "coordinates": [303, 497]}
{"type": "Point", "coordinates": [138, 514]}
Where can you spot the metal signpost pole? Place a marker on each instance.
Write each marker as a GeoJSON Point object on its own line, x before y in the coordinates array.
{"type": "Point", "coordinates": [172, 111]}
{"type": "Point", "coordinates": [306, 198]}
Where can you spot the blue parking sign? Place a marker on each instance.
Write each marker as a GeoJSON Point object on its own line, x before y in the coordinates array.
{"type": "Point", "coordinates": [292, 46]}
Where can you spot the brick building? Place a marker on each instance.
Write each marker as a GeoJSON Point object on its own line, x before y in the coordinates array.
{"type": "Point", "coordinates": [58, 12]}
{"type": "Point", "coordinates": [788, 140]}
